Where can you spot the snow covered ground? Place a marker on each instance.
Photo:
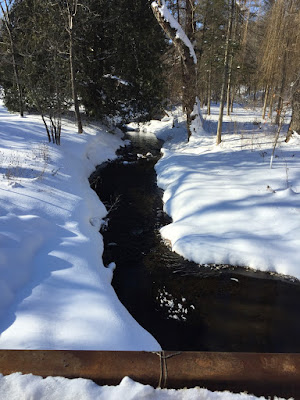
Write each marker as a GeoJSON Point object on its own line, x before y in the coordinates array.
{"type": "Point", "coordinates": [227, 205]}
{"type": "Point", "coordinates": [55, 292]}
{"type": "Point", "coordinates": [25, 387]}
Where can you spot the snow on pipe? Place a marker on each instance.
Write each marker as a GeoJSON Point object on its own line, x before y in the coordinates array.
{"type": "Point", "coordinates": [258, 373]}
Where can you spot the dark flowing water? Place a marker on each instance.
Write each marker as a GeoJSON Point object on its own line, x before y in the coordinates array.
{"type": "Point", "coordinates": [185, 306]}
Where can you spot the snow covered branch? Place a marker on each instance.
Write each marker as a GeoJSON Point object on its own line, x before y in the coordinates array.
{"type": "Point", "coordinates": [184, 47]}
{"type": "Point", "coordinates": [173, 29]}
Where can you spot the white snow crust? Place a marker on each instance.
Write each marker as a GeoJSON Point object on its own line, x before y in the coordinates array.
{"type": "Point", "coordinates": [24, 387]}
{"type": "Point", "coordinates": [55, 292]}
{"type": "Point", "coordinates": [227, 205]}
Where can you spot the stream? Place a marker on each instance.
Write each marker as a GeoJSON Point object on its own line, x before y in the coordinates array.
{"type": "Point", "coordinates": [185, 306]}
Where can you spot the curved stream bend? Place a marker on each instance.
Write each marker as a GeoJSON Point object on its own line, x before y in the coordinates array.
{"type": "Point", "coordinates": [183, 305]}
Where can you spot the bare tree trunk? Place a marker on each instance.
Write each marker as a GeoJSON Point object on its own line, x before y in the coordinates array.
{"type": "Point", "coordinates": [265, 102]}
{"type": "Point", "coordinates": [229, 83]}
{"type": "Point", "coordinates": [271, 105]}
{"type": "Point", "coordinates": [282, 87]}
{"type": "Point", "coordinates": [276, 139]}
{"type": "Point", "coordinates": [181, 61]}
{"type": "Point", "coordinates": [225, 73]}
{"type": "Point", "coordinates": [178, 11]}
{"type": "Point", "coordinates": [209, 91]}
{"type": "Point", "coordinates": [70, 9]}
{"type": "Point", "coordinates": [8, 26]}
{"type": "Point", "coordinates": [189, 74]}
{"type": "Point", "coordinates": [254, 93]}
{"type": "Point", "coordinates": [17, 79]}
{"type": "Point", "coordinates": [232, 100]}
{"type": "Point", "coordinates": [295, 121]}
{"type": "Point", "coordinates": [245, 34]}
{"type": "Point", "coordinates": [46, 126]}
{"type": "Point", "coordinates": [74, 85]}
{"type": "Point", "coordinates": [189, 92]}
{"type": "Point", "coordinates": [58, 110]}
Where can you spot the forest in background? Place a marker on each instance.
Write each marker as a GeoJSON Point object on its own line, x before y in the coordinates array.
{"type": "Point", "coordinates": [112, 59]}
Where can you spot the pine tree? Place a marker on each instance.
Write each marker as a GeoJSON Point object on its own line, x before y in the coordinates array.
{"type": "Point", "coordinates": [40, 44]}
{"type": "Point", "coordinates": [113, 50]}
{"type": "Point", "coordinates": [121, 60]}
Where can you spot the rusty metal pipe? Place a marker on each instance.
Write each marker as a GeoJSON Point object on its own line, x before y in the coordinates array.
{"type": "Point", "coordinates": [258, 373]}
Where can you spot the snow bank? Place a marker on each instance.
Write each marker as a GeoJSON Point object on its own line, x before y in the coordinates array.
{"type": "Point", "coordinates": [23, 387]}
{"type": "Point", "coordinates": [227, 205]}
{"type": "Point", "coordinates": [55, 292]}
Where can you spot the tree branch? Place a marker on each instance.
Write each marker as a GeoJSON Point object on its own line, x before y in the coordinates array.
{"type": "Point", "coordinates": [169, 31]}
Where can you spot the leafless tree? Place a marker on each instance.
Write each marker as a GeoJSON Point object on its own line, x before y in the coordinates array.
{"type": "Point", "coordinates": [185, 51]}
{"type": "Point", "coordinates": [69, 9]}
{"type": "Point", "coordinates": [6, 17]}
{"type": "Point", "coordinates": [225, 70]}
{"type": "Point", "coordinates": [281, 58]}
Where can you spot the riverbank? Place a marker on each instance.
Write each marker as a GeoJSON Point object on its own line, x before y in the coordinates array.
{"type": "Point", "coordinates": [181, 303]}
{"type": "Point", "coordinates": [228, 206]}
{"type": "Point", "coordinates": [55, 292]}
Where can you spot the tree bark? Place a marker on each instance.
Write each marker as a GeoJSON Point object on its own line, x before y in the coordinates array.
{"type": "Point", "coordinates": [209, 91]}
{"type": "Point", "coordinates": [46, 126]}
{"type": "Point", "coordinates": [295, 121]}
{"type": "Point", "coordinates": [229, 83]}
{"type": "Point", "coordinates": [282, 87]}
{"type": "Point", "coordinates": [189, 75]}
{"type": "Point", "coordinates": [178, 11]}
{"type": "Point", "coordinates": [74, 84]}
{"type": "Point", "coordinates": [70, 10]}
{"type": "Point", "coordinates": [265, 102]}
{"type": "Point", "coordinates": [8, 26]}
{"type": "Point", "coordinates": [225, 73]}
{"type": "Point", "coordinates": [232, 99]}
{"type": "Point", "coordinates": [245, 34]}
{"type": "Point", "coordinates": [271, 104]}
